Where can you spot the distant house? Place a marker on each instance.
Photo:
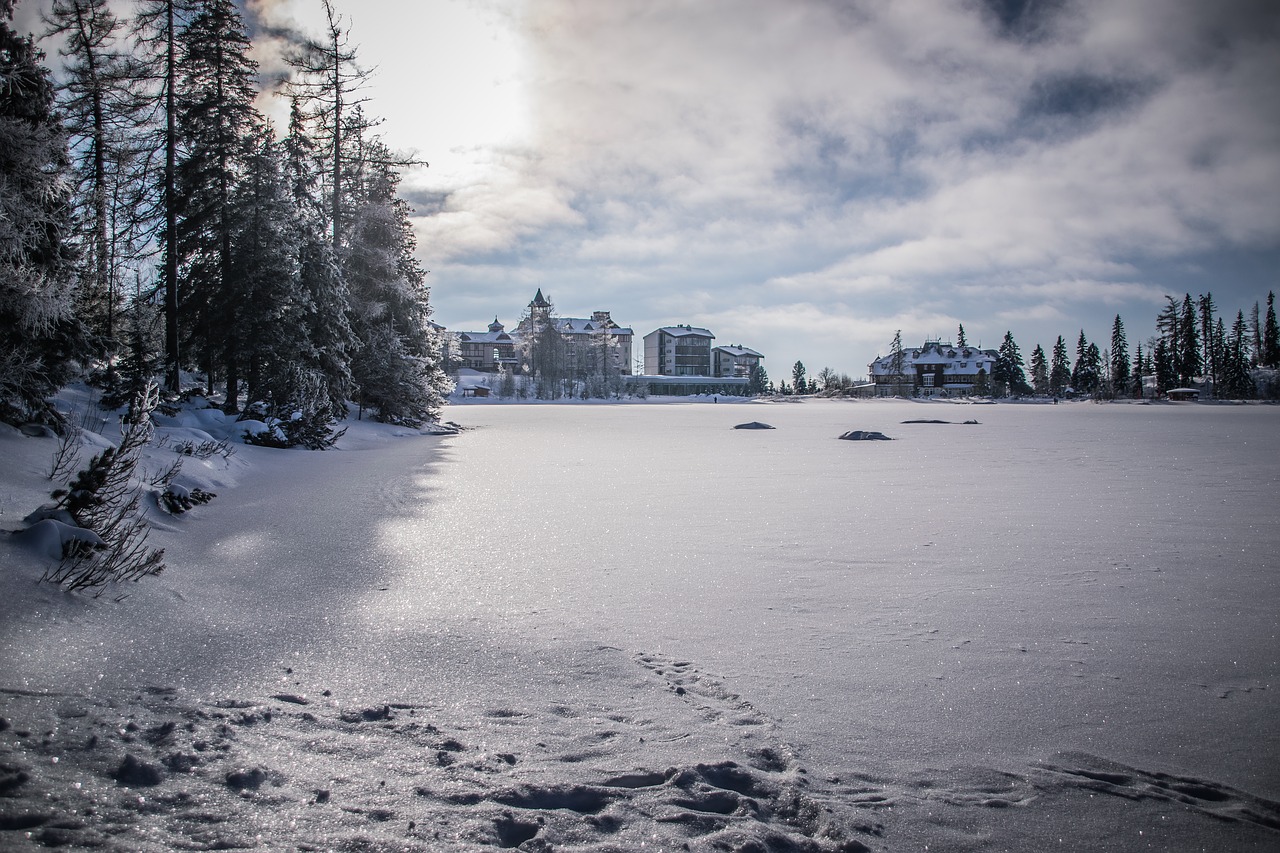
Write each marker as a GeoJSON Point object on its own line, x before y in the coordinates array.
{"type": "Point", "coordinates": [934, 369]}
{"type": "Point", "coordinates": [487, 351]}
{"type": "Point", "coordinates": [678, 351]}
{"type": "Point", "coordinates": [734, 361]}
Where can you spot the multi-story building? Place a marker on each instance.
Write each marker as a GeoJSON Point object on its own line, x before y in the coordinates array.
{"type": "Point", "coordinates": [584, 337]}
{"type": "Point", "coordinates": [734, 361]}
{"type": "Point", "coordinates": [487, 351]}
{"type": "Point", "coordinates": [678, 351]}
{"type": "Point", "coordinates": [588, 341]}
{"type": "Point", "coordinates": [935, 369]}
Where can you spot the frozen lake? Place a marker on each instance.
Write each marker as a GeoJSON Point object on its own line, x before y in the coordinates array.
{"type": "Point", "coordinates": [601, 627]}
{"type": "Point", "coordinates": [1076, 577]}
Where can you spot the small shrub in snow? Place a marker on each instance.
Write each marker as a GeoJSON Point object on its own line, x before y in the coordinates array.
{"type": "Point", "coordinates": [104, 497]}
{"type": "Point", "coordinates": [67, 456]}
{"type": "Point", "coordinates": [313, 431]}
{"type": "Point", "coordinates": [205, 449]}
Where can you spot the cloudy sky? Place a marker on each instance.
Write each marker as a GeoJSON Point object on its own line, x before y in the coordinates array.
{"type": "Point", "coordinates": [807, 176]}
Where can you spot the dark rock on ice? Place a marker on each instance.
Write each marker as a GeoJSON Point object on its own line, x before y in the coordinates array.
{"type": "Point", "coordinates": [754, 425]}
{"type": "Point", "coordinates": [925, 421]}
{"type": "Point", "coordinates": [137, 773]}
{"type": "Point", "coordinates": [247, 780]}
{"type": "Point", "coordinates": [864, 435]}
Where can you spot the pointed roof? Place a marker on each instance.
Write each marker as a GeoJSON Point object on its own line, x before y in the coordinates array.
{"type": "Point", "coordinates": [539, 302]}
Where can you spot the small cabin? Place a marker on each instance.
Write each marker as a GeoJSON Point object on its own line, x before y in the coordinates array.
{"type": "Point", "coordinates": [1184, 395]}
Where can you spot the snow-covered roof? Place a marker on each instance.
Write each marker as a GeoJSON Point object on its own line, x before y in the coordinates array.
{"type": "Point", "coordinates": [740, 351]}
{"type": "Point", "coordinates": [684, 331]}
{"type": "Point", "coordinates": [952, 359]}
{"type": "Point", "coordinates": [485, 337]}
{"type": "Point", "coordinates": [585, 326]}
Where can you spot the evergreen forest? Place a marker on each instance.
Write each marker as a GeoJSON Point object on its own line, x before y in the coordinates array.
{"type": "Point", "coordinates": [157, 229]}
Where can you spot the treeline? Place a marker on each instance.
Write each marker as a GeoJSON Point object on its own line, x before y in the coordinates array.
{"type": "Point", "coordinates": [156, 226]}
{"type": "Point", "coordinates": [1194, 346]}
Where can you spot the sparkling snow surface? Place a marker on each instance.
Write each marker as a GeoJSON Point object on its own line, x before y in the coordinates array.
{"type": "Point", "coordinates": [1057, 625]}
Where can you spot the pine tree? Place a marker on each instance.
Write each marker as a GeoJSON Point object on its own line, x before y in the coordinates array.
{"type": "Point", "coordinates": [1254, 346]}
{"type": "Point", "coordinates": [156, 27]}
{"type": "Point", "coordinates": [1237, 382]}
{"type": "Point", "coordinates": [1059, 369]}
{"type": "Point", "coordinates": [102, 112]}
{"type": "Point", "coordinates": [40, 337]}
{"type": "Point", "coordinates": [1271, 335]}
{"type": "Point", "coordinates": [798, 377]}
{"type": "Point", "coordinates": [1163, 366]}
{"type": "Point", "coordinates": [1208, 354]}
{"type": "Point", "coordinates": [1136, 383]}
{"type": "Point", "coordinates": [960, 338]}
{"type": "Point", "coordinates": [1119, 359]}
{"type": "Point", "coordinates": [217, 126]}
{"type": "Point", "coordinates": [1220, 390]}
{"type": "Point", "coordinates": [397, 369]}
{"type": "Point", "coordinates": [1085, 374]}
{"type": "Point", "coordinates": [1187, 355]}
{"type": "Point", "coordinates": [320, 278]}
{"type": "Point", "coordinates": [758, 382]}
{"type": "Point", "coordinates": [1008, 375]}
{"type": "Point", "coordinates": [1039, 371]}
{"type": "Point", "coordinates": [326, 90]}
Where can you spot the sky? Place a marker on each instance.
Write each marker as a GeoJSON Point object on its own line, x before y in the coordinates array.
{"type": "Point", "coordinates": [806, 177]}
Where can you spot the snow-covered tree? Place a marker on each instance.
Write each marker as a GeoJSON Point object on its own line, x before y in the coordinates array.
{"type": "Point", "coordinates": [397, 367]}
{"type": "Point", "coordinates": [40, 337]}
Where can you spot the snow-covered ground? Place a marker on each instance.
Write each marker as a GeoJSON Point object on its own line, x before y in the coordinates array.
{"type": "Point", "coordinates": [615, 627]}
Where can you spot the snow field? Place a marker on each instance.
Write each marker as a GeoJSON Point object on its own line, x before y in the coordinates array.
{"type": "Point", "coordinates": [592, 627]}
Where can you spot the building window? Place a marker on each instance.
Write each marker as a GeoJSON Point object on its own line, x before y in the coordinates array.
{"type": "Point", "coordinates": [928, 380]}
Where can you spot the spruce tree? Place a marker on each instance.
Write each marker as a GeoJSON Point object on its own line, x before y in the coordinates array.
{"type": "Point", "coordinates": [1187, 355]}
{"type": "Point", "coordinates": [1008, 375]}
{"type": "Point", "coordinates": [797, 377]}
{"type": "Point", "coordinates": [1163, 366]}
{"type": "Point", "coordinates": [1237, 381]}
{"type": "Point", "coordinates": [1039, 371]}
{"type": "Point", "coordinates": [758, 382]}
{"type": "Point", "coordinates": [1208, 353]}
{"type": "Point", "coordinates": [330, 334]}
{"type": "Point", "coordinates": [961, 341]}
{"type": "Point", "coordinates": [1119, 359]}
{"type": "Point", "coordinates": [1085, 374]}
{"type": "Point", "coordinates": [157, 24]}
{"type": "Point", "coordinates": [217, 124]}
{"type": "Point", "coordinates": [102, 112]}
{"type": "Point", "coordinates": [1271, 335]}
{"type": "Point", "coordinates": [1059, 369]}
{"type": "Point", "coordinates": [40, 336]}
{"type": "Point", "coordinates": [397, 368]}
{"type": "Point", "coordinates": [1136, 386]}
